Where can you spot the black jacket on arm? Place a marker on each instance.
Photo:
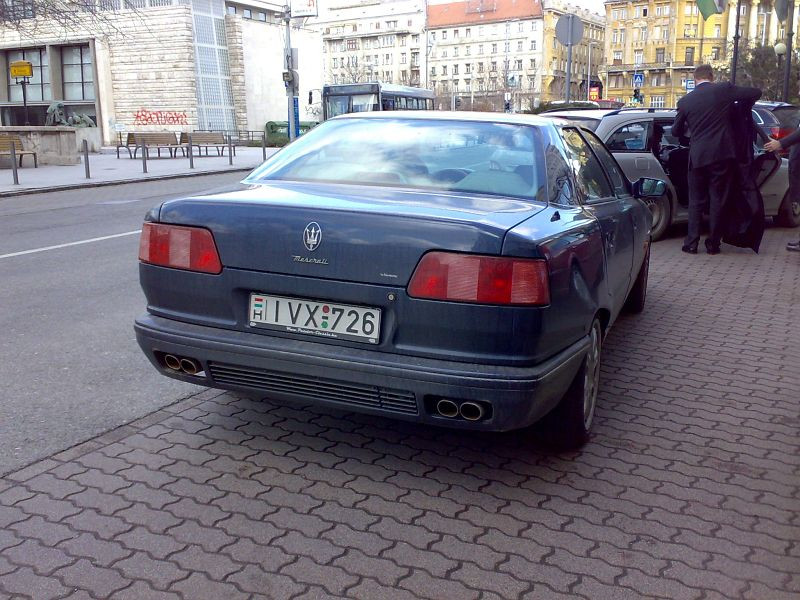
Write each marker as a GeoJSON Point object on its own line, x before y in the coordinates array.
{"type": "Point", "coordinates": [705, 114]}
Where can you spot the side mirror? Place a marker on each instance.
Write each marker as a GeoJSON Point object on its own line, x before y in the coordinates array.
{"type": "Point", "coordinates": [646, 187]}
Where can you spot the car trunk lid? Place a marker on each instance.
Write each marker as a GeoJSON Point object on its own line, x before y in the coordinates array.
{"type": "Point", "coordinates": [351, 233]}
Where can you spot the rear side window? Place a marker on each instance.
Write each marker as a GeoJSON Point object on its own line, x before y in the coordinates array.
{"type": "Point", "coordinates": [789, 116]}
{"type": "Point", "coordinates": [615, 174]}
{"type": "Point", "coordinates": [592, 182]}
{"type": "Point", "coordinates": [633, 137]}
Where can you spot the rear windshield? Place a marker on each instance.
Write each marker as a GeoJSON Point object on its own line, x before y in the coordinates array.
{"type": "Point", "coordinates": [789, 116]}
{"type": "Point", "coordinates": [486, 158]}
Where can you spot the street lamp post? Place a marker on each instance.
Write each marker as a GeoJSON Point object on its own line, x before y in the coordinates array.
{"type": "Point", "coordinates": [736, 36]}
{"type": "Point", "coordinates": [787, 71]}
{"type": "Point", "coordinates": [780, 52]}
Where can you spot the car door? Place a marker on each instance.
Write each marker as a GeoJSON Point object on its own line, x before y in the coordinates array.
{"type": "Point", "coordinates": [772, 176]}
{"type": "Point", "coordinates": [613, 215]}
{"type": "Point", "coordinates": [641, 217]}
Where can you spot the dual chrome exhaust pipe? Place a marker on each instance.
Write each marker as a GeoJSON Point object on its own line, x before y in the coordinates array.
{"type": "Point", "coordinates": [186, 365]}
{"type": "Point", "coordinates": [469, 411]}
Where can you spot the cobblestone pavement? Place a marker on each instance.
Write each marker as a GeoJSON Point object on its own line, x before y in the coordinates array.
{"type": "Point", "coordinates": [689, 489]}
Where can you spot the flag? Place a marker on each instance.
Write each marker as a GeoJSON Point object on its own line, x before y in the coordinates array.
{"type": "Point", "coordinates": [781, 9]}
{"type": "Point", "coordinates": [713, 7]}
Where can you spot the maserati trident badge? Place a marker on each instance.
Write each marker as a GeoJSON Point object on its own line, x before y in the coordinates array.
{"type": "Point", "coordinates": [312, 236]}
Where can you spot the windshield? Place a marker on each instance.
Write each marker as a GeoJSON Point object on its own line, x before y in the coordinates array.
{"type": "Point", "coordinates": [486, 158]}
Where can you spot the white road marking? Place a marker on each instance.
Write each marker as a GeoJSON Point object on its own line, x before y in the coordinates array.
{"type": "Point", "coordinates": [46, 248]}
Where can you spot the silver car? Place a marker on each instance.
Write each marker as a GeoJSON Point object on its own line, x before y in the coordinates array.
{"type": "Point", "coordinates": [641, 141]}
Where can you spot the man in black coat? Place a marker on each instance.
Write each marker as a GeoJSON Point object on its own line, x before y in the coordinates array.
{"type": "Point", "coordinates": [705, 114]}
{"type": "Point", "coordinates": [790, 141]}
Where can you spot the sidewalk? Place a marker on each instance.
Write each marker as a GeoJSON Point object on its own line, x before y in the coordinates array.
{"type": "Point", "coordinates": [107, 169]}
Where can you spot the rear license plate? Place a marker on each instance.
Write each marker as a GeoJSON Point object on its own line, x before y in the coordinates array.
{"type": "Point", "coordinates": [309, 317]}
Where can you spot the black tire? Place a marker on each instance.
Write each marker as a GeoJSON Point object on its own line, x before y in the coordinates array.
{"type": "Point", "coordinates": [789, 212]}
{"type": "Point", "coordinates": [568, 425]}
{"type": "Point", "coordinates": [638, 294]}
{"type": "Point", "coordinates": [661, 213]}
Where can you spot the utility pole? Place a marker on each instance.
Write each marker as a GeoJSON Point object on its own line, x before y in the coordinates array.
{"type": "Point", "coordinates": [589, 73]}
{"type": "Point", "coordinates": [736, 36]}
{"type": "Point", "coordinates": [289, 74]}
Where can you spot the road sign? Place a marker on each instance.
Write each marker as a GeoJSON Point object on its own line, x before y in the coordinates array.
{"type": "Point", "coordinates": [594, 93]}
{"type": "Point", "coordinates": [638, 80]}
{"type": "Point", "coordinates": [569, 30]}
{"type": "Point", "coordinates": [303, 8]}
{"type": "Point", "coordinates": [689, 85]}
{"type": "Point", "coordinates": [21, 68]}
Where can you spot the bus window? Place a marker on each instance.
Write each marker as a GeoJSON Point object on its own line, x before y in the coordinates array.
{"type": "Point", "coordinates": [365, 102]}
{"type": "Point", "coordinates": [412, 103]}
{"type": "Point", "coordinates": [401, 102]}
{"type": "Point", "coordinates": [388, 103]}
{"type": "Point", "coordinates": [336, 105]}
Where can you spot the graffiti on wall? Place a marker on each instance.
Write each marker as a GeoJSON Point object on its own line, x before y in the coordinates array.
{"type": "Point", "coordinates": [159, 117]}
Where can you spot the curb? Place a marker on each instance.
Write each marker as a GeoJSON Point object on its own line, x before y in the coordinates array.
{"type": "Point", "coordinates": [78, 186]}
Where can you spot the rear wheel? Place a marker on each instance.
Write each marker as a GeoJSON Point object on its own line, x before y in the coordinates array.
{"type": "Point", "coordinates": [638, 294]}
{"type": "Point", "coordinates": [789, 212]}
{"type": "Point", "coordinates": [661, 213]}
{"type": "Point", "coordinates": [568, 425]}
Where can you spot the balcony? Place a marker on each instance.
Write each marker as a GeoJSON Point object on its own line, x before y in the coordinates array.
{"type": "Point", "coordinates": [619, 68]}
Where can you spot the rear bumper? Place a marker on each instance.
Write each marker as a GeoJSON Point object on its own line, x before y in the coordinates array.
{"type": "Point", "coordinates": [389, 385]}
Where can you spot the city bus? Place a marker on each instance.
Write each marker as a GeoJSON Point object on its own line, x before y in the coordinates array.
{"type": "Point", "coordinates": [360, 97]}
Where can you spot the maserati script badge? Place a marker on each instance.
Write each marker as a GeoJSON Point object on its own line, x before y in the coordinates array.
{"type": "Point", "coordinates": [312, 236]}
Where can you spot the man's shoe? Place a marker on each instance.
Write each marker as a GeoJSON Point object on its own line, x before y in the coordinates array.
{"type": "Point", "coordinates": [793, 246]}
{"type": "Point", "coordinates": [711, 248]}
{"type": "Point", "coordinates": [691, 249]}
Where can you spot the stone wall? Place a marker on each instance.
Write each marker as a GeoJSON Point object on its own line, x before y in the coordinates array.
{"type": "Point", "coordinates": [263, 48]}
{"type": "Point", "coordinates": [152, 72]}
{"type": "Point", "coordinates": [233, 33]}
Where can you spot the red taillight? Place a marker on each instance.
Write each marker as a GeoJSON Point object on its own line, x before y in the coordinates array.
{"type": "Point", "coordinates": [780, 132]}
{"type": "Point", "coordinates": [189, 248]}
{"type": "Point", "coordinates": [481, 279]}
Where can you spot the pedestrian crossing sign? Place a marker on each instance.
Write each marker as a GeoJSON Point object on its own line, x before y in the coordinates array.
{"type": "Point", "coordinates": [638, 80]}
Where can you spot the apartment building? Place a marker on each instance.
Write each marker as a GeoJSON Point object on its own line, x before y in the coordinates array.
{"type": "Point", "coordinates": [659, 42]}
{"type": "Point", "coordinates": [587, 56]}
{"type": "Point", "coordinates": [367, 40]}
{"type": "Point", "coordinates": [485, 53]}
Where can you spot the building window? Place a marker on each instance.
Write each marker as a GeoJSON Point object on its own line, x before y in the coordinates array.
{"type": "Point", "coordinates": [519, 46]}
{"type": "Point", "coordinates": [77, 72]}
{"type": "Point", "coordinates": [638, 57]}
{"type": "Point", "coordinates": [455, 33]}
{"type": "Point", "coordinates": [246, 13]}
{"type": "Point", "coordinates": [262, 17]}
{"type": "Point", "coordinates": [352, 44]}
{"type": "Point", "coordinates": [518, 64]}
{"type": "Point", "coordinates": [467, 32]}
{"type": "Point", "coordinates": [467, 51]}
{"type": "Point", "coordinates": [444, 69]}
{"type": "Point", "coordinates": [455, 69]}
{"type": "Point", "coordinates": [715, 53]}
{"type": "Point", "coordinates": [231, 10]}
{"type": "Point", "coordinates": [455, 51]}
{"type": "Point", "coordinates": [433, 36]}
{"type": "Point", "coordinates": [659, 55]}
{"type": "Point", "coordinates": [689, 58]}
{"type": "Point", "coordinates": [444, 35]}
{"type": "Point", "coordinates": [533, 44]}
{"type": "Point", "coordinates": [618, 56]}
{"type": "Point", "coordinates": [656, 101]}
{"type": "Point", "coordinates": [533, 63]}
{"type": "Point", "coordinates": [403, 58]}
{"type": "Point", "coordinates": [467, 68]}
{"type": "Point", "coordinates": [494, 48]}
{"type": "Point", "coordinates": [717, 31]}
{"type": "Point", "coordinates": [39, 86]}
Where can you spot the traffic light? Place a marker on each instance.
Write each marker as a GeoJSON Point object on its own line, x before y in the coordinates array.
{"type": "Point", "coordinates": [637, 96]}
{"type": "Point", "coordinates": [458, 102]}
{"type": "Point", "coordinates": [508, 105]}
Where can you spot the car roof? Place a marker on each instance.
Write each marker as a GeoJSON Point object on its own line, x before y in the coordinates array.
{"type": "Point", "coordinates": [771, 104]}
{"type": "Point", "coordinates": [448, 115]}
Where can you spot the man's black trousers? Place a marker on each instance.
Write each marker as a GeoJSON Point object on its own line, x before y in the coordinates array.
{"type": "Point", "coordinates": [709, 189]}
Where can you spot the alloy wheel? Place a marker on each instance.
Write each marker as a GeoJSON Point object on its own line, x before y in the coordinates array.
{"type": "Point", "coordinates": [591, 382]}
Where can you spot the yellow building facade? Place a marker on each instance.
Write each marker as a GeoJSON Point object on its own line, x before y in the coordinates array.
{"type": "Point", "coordinates": [588, 56]}
{"type": "Point", "coordinates": [654, 45]}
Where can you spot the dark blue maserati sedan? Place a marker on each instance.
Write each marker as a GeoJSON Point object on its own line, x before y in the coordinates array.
{"type": "Point", "coordinates": [457, 269]}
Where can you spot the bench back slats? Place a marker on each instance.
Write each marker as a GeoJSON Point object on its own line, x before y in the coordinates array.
{"type": "Point", "coordinates": [5, 143]}
{"type": "Point", "coordinates": [202, 138]}
{"type": "Point", "coordinates": [154, 138]}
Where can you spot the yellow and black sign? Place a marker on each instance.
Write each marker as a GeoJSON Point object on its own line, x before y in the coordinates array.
{"type": "Point", "coordinates": [21, 68]}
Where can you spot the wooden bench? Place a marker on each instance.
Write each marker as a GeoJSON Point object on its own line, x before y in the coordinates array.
{"type": "Point", "coordinates": [151, 139]}
{"type": "Point", "coordinates": [207, 139]}
{"type": "Point", "coordinates": [6, 141]}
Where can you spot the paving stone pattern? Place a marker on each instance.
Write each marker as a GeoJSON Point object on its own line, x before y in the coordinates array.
{"type": "Point", "coordinates": [688, 489]}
